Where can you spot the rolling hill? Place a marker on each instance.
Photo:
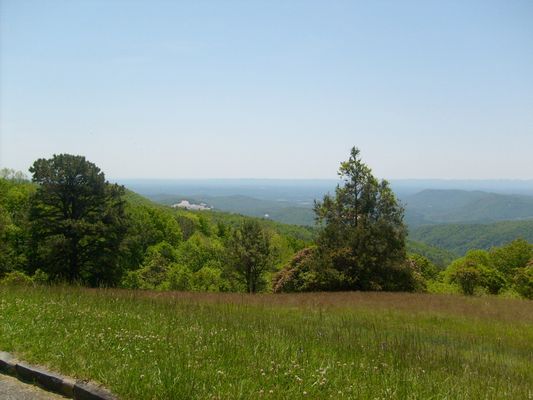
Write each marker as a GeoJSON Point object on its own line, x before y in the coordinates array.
{"type": "Point", "coordinates": [459, 238]}
{"type": "Point", "coordinates": [461, 206]}
{"type": "Point", "coordinates": [440, 257]}
{"type": "Point", "coordinates": [291, 201]}
{"type": "Point", "coordinates": [287, 212]}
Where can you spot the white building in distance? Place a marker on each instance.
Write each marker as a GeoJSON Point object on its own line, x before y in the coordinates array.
{"type": "Point", "coordinates": [188, 206]}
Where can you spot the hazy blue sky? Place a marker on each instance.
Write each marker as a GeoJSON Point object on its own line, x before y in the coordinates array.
{"type": "Point", "coordinates": [194, 89]}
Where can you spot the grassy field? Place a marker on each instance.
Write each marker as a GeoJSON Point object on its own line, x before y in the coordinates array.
{"type": "Point", "coordinates": [146, 345]}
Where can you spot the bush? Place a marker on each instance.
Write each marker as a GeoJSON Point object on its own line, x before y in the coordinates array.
{"type": "Point", "coordinates": [493, 280]}
{"type": "Point", "coordinates": [179, 277]}
{"type": "Point", "coordinates": [40, 277]}
{"type": "Point", "coordinates": [512, 256]}
{"type": "Point", "coordinates": [423, 266]}
{"type": "Point", "coordinates": [207, 279]}
{"type": "Point", "coordinates": [153, 273]}
{"type": "Point", "coordinates": [434, 286]}
{"type": "Point", "coordinates": [523, 282]}
{"type": "Point", "coordinates": [131, 280]}
{"type": "Point", "coordinates": [16, 278]}
{"type": "Point", "coordinates": [306, 271]}
{"type": "Point", "coordinates": [405, 277]}
{"type": "Point", "coordinates": [468, 278]}
{"type": "Point", "coordinates": [200, 250]}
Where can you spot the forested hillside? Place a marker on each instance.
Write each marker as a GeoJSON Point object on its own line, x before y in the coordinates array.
{"type": "Point", "coordinates": [461, 206]}
{"type": "Point", "coordinates": [459, 238]}
{"type": "Point", "coordinates": [426, 207]}
{"type": "Point", "coordinates": [440, 257]}
{"type": "Point", "coordinates": [158, 241]}
{"type": "Point", "coordinates": [278, 210]}
{"type": "Point", "coordinates": [71, 225]}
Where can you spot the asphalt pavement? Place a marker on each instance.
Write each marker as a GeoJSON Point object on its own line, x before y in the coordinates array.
{"type": "Point", "coordinates": [13, 389]}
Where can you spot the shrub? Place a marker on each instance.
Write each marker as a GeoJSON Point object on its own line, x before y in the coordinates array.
{"type": "Point", "coordinates": [40, 277]}
{"type": "Point", "coordinates": [423, 266]}
{"type": "Point", "coordinates": [493, 280]}
{"type": "Point", "coordinates": [405, 277]}
{"type": "Point", "coordinates": [307, 271]}
{"type": "Point", "coordinates": [16, 278]}
{"type": "Point", "coordinates": [512, 256]}
{"type": "Point", "coordinates": [468, 278]}
{"type": "Point", "coordinates": [131, 280]}
{"type": "Point", "coordinates": [434, 286]}
{"type": "Point", "coordinates": [179, 277]}
{"type": "Point", "coordinates": [523, 281]}
{"type": "Point", "coordinates": [207, 279]}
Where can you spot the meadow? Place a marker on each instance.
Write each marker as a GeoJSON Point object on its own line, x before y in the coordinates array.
{"type": "Point", "coordinates": [172, 345]}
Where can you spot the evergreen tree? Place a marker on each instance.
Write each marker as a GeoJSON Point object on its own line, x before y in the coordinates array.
{"type": "Point", "coordinates": [362, 231]}
{"type": "Point", "coordinates": [78, 221]}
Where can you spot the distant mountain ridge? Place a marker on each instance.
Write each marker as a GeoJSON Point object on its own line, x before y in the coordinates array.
{"type": "Point", "coordinates": [427, 207]}
{"type": "Point", "coordinates": [433, 206]}
{"type": "Point", "coordinates": [439, 242]}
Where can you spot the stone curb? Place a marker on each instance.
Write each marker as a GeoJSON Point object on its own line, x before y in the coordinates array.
{"type": "Point", "coordinates": [77, 390]}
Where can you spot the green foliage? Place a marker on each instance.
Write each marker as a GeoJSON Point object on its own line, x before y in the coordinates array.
{"type": "Point", "coordinates": [511, 256]}
{"type": "Point", "coordinates": [14, 225]}
{"type": "Point", "coordinates": [250, 254]}
{"type": "Point", "coordinates": [304, 234]}
{"type": "Point", "coordinates": [441, 287]}
{"type": "Point", "coordinates": [153, 273]}
{"type": "Point", "coordinates": [161, 248]}
{"type": "Point", "coordinates": [188, 224]}
{"type": "Point", "coordinates": [40, 277]}
{"type": "Point", "coordinates": [467, 277]}
{"type": "Point", "coordinates": [497, 269]}
{"type": "Point", "coordinates": [523, 281]}
{"type": "Point", "coordinates": [359, 245]}
{"type": "Point", "coordinates": [362, 230]}
{"type": "Point", "coordinates": [472, 258]}
{"type": "Point", "coordinates": [307, 271]}
{"type": "Point", "coordinates": [440, 257]}
{"type": "Point", "coordinates": [493, 280]}
{"type": "Point", "coordinates": [462, 206]}
{"type": "Point", "coordinates": [179, 277]}
{"type": "Point", "coordinates": [423, 266]}
{"type": "Point", "coordinates": [203, 225]}
{"type": "Point", "coordinates": [199, 250]}
{"type": "Point", "coordinates": [207, 279]}
{"type": "Point", "coordinates": [475, 270]}
{"type": "Point", "coordinates": [147, 225]}
{"type": "Point", "coordinates": [21, 279]}
{"type": "Point", "coordinates": [459, 238]}
{"type": "Point", "coordinates": [16, 278]}
{"type": "Point", "coordinates": [77, 221]}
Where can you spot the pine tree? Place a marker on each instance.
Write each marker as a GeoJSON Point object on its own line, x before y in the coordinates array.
{"type": "Point", "coordinates": [362, 230]}
{"type": "Point", "coordinates": [78, 221]}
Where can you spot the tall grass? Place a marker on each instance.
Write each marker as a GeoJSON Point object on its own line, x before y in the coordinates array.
{"type": "Point", "coordinates": [144, 345]}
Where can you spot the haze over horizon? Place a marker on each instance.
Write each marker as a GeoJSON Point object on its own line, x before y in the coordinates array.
{"type": "Point", "coordinates": [427, 90]}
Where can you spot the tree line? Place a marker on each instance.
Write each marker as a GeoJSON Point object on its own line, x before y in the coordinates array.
{"type": "Point", "coordinates": [69, 224]}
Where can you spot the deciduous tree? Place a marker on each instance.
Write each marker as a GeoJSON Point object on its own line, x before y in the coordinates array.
{"type": "Point", "coordinates": [250, 254]}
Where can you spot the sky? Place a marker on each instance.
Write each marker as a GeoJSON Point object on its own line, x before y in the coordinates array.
{"type": "Point", "coordinates": [269, 89]}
